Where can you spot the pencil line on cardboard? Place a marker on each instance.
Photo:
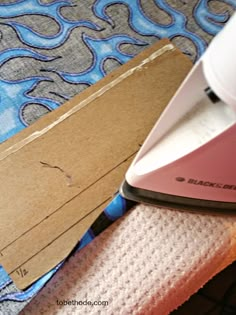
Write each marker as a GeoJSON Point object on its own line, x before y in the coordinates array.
{"type": "Point", "coordinates": [61, 234]}
{"type": "Point", "coordinates": [68, 201]}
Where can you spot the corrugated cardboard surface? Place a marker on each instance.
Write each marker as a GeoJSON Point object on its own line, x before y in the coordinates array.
{"type": "Point", "coordinates": [59, 174]}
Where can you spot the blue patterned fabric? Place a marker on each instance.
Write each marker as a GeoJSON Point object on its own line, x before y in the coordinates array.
{"type": "Point", "coordinates": [52, 50]}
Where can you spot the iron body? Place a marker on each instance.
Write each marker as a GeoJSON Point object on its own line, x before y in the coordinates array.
{"type": "Point", "coordinates": [188, 160]}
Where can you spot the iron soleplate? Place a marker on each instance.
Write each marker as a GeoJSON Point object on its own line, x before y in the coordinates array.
{"type": "Point", "coordinates": [175, 202]}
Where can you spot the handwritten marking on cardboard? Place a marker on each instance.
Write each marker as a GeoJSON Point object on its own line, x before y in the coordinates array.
{"type": "Point", "coordinates": [68, 177]}
{"type": "Point", "coordinates": [22, 272]}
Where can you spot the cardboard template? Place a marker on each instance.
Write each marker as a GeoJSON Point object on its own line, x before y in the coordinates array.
{"type": "Point", "coordinates": [58, 174]}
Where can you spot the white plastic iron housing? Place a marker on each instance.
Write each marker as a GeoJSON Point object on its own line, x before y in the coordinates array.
{"type": "Point", "coordinates": [189, 158]}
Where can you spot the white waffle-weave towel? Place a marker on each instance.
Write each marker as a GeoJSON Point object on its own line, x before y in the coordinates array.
{"type": "Point", "coordinates": [148, 262]}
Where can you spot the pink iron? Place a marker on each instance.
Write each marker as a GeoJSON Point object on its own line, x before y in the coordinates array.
{"type": "Point", "coordinates": [189, 158]}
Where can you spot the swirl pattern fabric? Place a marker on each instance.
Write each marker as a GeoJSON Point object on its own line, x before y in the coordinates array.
{"type": "Point", "coordinates": [52, 50]}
